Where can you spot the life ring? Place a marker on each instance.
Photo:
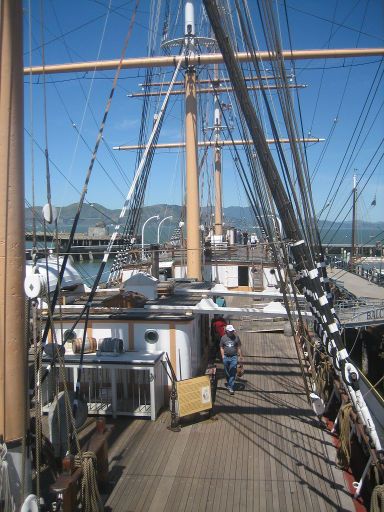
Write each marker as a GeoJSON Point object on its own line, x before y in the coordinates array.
{"type": "Point", "coordinates": [30, 504]}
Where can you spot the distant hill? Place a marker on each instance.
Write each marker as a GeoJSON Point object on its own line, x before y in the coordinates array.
{"type": "Point", "coordinates": [236, 216]}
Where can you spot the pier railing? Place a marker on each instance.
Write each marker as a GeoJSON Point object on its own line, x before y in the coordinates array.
{"type": "Point", "coordinates": [371, 274]}
{"type": "Point", "coordinates": [360, 312]}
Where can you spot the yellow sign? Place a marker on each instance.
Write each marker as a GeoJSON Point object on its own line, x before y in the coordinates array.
{"type": "Point", "coordinates": [194, 395]}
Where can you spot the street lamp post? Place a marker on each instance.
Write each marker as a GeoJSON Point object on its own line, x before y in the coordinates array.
{"type": "Point", "coordinates": [158, 227]}
{"type": "Point", "coordinates": [142, 233]}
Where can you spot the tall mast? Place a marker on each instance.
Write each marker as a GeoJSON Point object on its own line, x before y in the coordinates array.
{"type": "Point", "coordinates": [13, 391]}
{"type": "Point", "coordinates": [192, 172]}
{"type": "Point", "coordinates": [217, 150]}
{"type": "Point", "coordinates": [353, 244]}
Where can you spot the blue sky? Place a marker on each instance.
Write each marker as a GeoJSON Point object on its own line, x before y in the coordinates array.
{"type": "Point", "coordinates": [85, 29]}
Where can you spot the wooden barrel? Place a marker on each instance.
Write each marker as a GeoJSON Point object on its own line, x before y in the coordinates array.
{"type": "Point", "coordinates": [89, 346]}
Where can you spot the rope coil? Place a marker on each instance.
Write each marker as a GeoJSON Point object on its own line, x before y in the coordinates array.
{"type": "Point", "coordinates": [5, 486]}
{"type": "Point", "coordinates": [323, 379]}
{"type": "Point", "coordinates": [377, 499]}
{"type": "Point", "coordinates": [344, 450]}
{"type": "Point", "coordinates": [90, 496]}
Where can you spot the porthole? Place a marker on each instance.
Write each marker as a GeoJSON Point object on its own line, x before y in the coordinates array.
{"type": "Point", "coordinates": [69, 335]}
{"type": "Point", "coordinates": [151, 336]}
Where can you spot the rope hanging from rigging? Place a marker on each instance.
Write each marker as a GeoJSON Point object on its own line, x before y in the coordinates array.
{"type": "Point", "coordinates": [90, 496]}
{"type": "Point", "coordinates": [6, 498]}
{"type": "Point", "coordinates": [310, 275]}
{"type": "Point", "coordinates": [377, 499]}
{"type": "Point", "coordinates": [344, 450]}
{"type": "Point", "coordinates": [89, 172]}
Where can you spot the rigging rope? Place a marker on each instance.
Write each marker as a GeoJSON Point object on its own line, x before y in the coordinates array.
{"type": "Point", "coordinates": [89, 172]}
{"type": "Point", "coordinates": [31, 125]}
{"type": "Point", "coordinates": [90, 496]}
{"type": "Point", "coordinates": [360, 191]}
{"type": "Point", "coordinates": [344, 450]}
{"type": "Point", "coordinates": [310, 278]}
{"type": "Point", "coordinates": [47, 171]}
{"type": "Point", "coordinates": [87, 306]}
{"type": "Point", "coordinates": [6, 498]}
{"type": "Point", "coordinates": [143, 166]}
{"type": "Point", "coordinates": [323, 71]}
{"type": "Point", "coordinates": [335, 192]}
{"type": "Point", "coordinates": [87, 104]}
{"type": "Point", "coordinates": [377, 499]}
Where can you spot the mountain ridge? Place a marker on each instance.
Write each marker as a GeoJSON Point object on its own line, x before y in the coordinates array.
{"type": "Point", "coordinates": [240, 217]}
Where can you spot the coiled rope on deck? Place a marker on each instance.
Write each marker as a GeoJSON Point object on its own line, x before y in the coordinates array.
{"type": "Point", "coordinates": [377, 499]}
{"type": "Point", "coordinates": [90, 497]}
{"type": "Point", "coordinates": [344, 450]}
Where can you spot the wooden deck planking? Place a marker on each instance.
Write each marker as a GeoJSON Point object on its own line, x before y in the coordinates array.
{"type": "Point", "coordinates": [148, 479]}
{"type": "Point", "coordinates": [264, 453]}
{"type": "Point", "coordinates": [197, 487]}
{"type": "Point", "coordinates": [151, 455]}
{"type": "Point", "coordinates": [206, 498]}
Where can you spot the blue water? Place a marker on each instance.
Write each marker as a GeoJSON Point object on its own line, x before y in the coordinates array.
{"type": "Point", "coordinates": [89, 269]}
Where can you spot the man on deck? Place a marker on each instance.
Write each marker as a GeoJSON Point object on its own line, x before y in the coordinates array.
{"type": "Point", "coordinates": [230, 349]}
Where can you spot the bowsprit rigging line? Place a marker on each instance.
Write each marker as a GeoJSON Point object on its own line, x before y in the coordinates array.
{"type": "Point", "coordinates": [309, 280]}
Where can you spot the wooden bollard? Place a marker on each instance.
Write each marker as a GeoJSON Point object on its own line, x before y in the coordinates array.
{"type": "Point", "coordinates": [66, 486]}
{"type": "Point", "coordinates": [99, 445]}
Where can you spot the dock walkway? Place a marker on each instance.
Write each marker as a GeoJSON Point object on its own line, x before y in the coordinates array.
{"type": "Point", "coordinates": [357, 285]}
{"type": "Point", "coordinates": [265, 452]}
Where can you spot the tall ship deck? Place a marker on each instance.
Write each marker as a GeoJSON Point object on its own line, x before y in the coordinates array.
{"type": "Point", "coordinates": [263, 450]}
{"type": "Point", "coordinates": [118, 393]}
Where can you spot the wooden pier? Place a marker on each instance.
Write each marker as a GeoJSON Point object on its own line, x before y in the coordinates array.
{"type": "Point", "coordinates": [265, 451]}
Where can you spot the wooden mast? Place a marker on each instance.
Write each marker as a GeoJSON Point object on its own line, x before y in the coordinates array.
{"type": "Point", "coordinates": [192, 171]}
{"type": "Point", "coordinates": [13, 392]}
{"type": "Point", "coordinates": [217, 150]}
{"type": "Point", "coordinates": [353, 243]}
